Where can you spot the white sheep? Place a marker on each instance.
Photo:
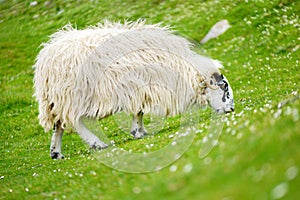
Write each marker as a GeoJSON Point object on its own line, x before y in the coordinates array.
{"type": "Point", "coordinates": [113, 67]}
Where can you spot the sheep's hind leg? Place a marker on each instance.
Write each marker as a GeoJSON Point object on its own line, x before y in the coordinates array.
{"type": "Point", "coordinates": [93, 141]}
{"type": "Point", "coordinates": [55, 148]}
{"type": "Point", "coordinates": [138, 130]}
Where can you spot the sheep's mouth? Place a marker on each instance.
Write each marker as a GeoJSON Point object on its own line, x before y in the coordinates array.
{"type": "Point", "coordinates": [221, 111]}
{"type": "Point", "coordinates": [229, 111]}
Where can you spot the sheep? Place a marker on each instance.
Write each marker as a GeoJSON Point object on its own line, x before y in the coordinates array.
{"type": "Point", "coordinates": [133, 67]}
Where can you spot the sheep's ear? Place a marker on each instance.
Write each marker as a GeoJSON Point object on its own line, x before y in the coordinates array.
{"type": "Point", "coordinates": [213, 80]}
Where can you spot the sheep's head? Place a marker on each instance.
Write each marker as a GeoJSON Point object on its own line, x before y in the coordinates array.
{"type": "Point", "coordinates": [219, 93]}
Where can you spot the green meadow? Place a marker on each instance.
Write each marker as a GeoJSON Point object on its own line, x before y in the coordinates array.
{"type": "Point", "coordinates": [257, 155]}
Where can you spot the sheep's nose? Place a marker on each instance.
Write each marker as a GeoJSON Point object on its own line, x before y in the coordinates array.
{"type": "Point", "coordinates": [229, 111]}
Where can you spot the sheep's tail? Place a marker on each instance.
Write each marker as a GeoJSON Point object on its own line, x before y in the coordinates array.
{"type": "Point", "coordinates": [46, 119]}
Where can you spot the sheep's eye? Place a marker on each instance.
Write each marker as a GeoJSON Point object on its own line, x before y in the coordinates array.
{"type": "Point", "coordinates": [222, 86]}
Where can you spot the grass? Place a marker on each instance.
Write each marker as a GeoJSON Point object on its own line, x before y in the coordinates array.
{"type": "Point", "coordinates": [257, 156]}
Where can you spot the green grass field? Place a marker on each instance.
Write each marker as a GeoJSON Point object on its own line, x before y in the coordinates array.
{"type": "Point", "coordinates": [257, 156]}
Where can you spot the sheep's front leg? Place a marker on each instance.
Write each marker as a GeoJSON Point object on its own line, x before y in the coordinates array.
{"type": "Point", "coordinates": [137, 129]}
{"type": "Point", "coordinates": [93, 141]}
{"type": "Point", "coordinates": [55, 147]}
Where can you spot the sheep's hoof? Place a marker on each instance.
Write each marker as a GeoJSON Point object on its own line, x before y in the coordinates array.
{"type": "Point", "coordinates": [99, 145]}
{"type": "Point", "coordinates": [56, 155]}
{"type": "Point", "coordinates": [138, 133]}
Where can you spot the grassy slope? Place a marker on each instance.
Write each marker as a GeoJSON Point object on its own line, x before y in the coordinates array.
{"type": "Point", "coordinates": [259, 147]}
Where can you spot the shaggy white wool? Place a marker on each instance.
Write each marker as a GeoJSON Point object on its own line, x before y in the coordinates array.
{"type": "Point", "coordinates": [115, 67]}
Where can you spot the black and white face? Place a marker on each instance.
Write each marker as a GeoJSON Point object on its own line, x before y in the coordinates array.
{"type": "Point", "coordinates": [221, 98]}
